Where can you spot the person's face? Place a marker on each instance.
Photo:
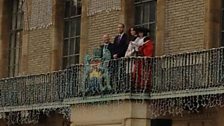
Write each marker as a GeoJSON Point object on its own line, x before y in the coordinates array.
{"type": "Point", "coordinates": [106, 39]}
{"type": "Point", "coordinates": [120, 28]}
{"type": "Point", "coordinates": [133, 32]}
{"type": "Point", "coordinates": [141, 34]}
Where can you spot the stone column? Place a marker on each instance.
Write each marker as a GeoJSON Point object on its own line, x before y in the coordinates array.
{"type": "Point", "coordinates": [127, 13]}
{"type": "Point", "coordinates": [84, 31]}
{"type": "Point", "coordinates": [5, 8]}
{"type": "Point", "coordinates": [25, 39]}
{"type": "Point", "coordinates": [212, 24]}
{"type": "Point", "coordinates": [160, 27]}
{"type": "Point", "coordinates": [57, 35]}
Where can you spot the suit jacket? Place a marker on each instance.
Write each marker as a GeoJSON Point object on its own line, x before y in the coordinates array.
{"type": "Point", "coordinates": [110, 47]}
{"type": "Point", "coordinates": [120, 46]}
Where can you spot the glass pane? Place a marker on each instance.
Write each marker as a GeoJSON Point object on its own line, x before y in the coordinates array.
{"type": "Point", "coordinates": [11, 71]}
{"type": "Point", "coordinates": [17, 56]}
{"type": "Point", "coordinates": [72, 46]}
{"type": "Point", "coordinates": [152, 30]}
{"type": "Point", "coordinates": [66, 29]}
{"type": "Point", "coordinates": [137, 1]}
{"type": "Point", "coordinates": [73, 8]}
{"type": "Point", "coordinates": [78, 26]}
{"type": "Point", "coordinates": [222, 42]}
{"type": "Point", "coordinates": [145, 25]}
{"type": "Point", "coordinates": [146, 13]}
{"type": "Point", "coordinates": [72, 27]}
{"type": "Point", "coordinates": [222, 3]}
{"type": "Point", "coordinates": [138, 15]}
{"type": "Point", "coordinates": [79, 8]}
{"type": "Point", "coordinates": [152, 11]}
{"type": "Point", "coordinates": [18, 40]}
{"type": "Point", "coordinates": [65, 48]}
{"type": "Point", "coordinates": [19, 21]}
{"type": "Point", "coordinates": [77, 45]}
{"type": "Point", "coordinates": [13, 57]}
{"type": "Point", "coordinates": [71, 60]}
{"type": "Point", "coordinates": [76, 59]}
{"type": "Point", "coordinates": [20, 6]}
{"type": "Point", "coordinates": [65, 62]}
{"type": "Point", "coordinates": [67, 9]}
{"type": "Point", "coordinates": [223, 20]}
{"type": "Point", "coordinates": [12, 41]}
{"type": "Point", "coordinates": [15, 5]}
{"type": "Point", "coordinates": [13, 27]}
{"type": "Point", "coordinates": [22, 21]}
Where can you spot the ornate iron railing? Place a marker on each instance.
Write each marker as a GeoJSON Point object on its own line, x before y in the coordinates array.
{"type": "Point", "coordinates": [196, 71]}
{"type": "Point", "coordinates": [158, 76]}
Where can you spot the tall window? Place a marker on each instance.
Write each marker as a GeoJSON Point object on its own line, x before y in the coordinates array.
{"type": "Point", "coordinates": [222, 29]}
{"type": "Point", "coordinates": [71, 44]}
{"type": "Point", "coordinates": [15, 37]}
{"type": "Point", "coordinates": [145, 14]}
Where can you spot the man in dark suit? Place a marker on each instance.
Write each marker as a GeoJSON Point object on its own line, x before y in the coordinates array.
{"type": "Point", "coordinates": [120, 42]}
{"type": "Point", "coordinates": [118, 74]}
{"type": "Point", "coordinates": [106, 45]}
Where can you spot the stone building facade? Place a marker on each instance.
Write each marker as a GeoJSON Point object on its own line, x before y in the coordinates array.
{"type": "Point", "coordinates": [181, 26]}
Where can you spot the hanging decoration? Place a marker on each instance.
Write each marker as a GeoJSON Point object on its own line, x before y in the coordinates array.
{"type": "Point", "coordinates": [41, 14]}
{"type": "Point", "coordinates": [97, 6]}
{"type": "Point", "coordinates": [33, 116]}
{"type": "Point", "coordinates": [188, 82]}
{"type": "Point", "coordinates": [179, 106]}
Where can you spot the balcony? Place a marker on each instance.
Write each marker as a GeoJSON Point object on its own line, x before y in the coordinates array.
{"type": "Point", "coordinates": [189, 76]}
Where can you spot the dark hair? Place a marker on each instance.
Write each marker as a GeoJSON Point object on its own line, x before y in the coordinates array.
{"type": "Point", "coordinates": [143, 30]}
{"type": "Point", "coordinates": [134, 28]}
{"type": "Point", "coordinates": [122, 25]}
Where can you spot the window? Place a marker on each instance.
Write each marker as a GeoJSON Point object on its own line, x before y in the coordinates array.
{"type": "Point", "coordinates": [15, 43]}
{"type": "Point", "coordinates": [71, 44]}
{"type": "Point", "coordinates": [145, 14]}
{"type": "Point", "coordinates": [222, 29]}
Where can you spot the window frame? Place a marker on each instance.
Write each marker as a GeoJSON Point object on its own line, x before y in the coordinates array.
{"type": "Point", "coordinates": [142, 5]}
{"type": "Point", "coordinates": [71, 56]}
{"type": "Point", "coordinates": [15, 38]}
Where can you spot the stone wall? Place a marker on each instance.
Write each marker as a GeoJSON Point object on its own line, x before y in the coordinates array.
{"type": "Point", "coordinates": [184, 26]}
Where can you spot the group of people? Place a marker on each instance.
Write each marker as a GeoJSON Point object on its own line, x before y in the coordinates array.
{"type": "Point", "coordinates": [136, 43]}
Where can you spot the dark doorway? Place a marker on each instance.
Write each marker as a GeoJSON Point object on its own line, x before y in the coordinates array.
{"type": "Point", "coordinates": [161, 122]}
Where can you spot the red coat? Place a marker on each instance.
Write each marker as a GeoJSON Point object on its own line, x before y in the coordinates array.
{"type": "Point", "coordinates": [142, 72]}
{"type": "Point", "coordinates": [147, 49]}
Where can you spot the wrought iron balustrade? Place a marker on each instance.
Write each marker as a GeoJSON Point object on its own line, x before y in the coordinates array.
{"type": "Point", "coordinates": [189, 71]}
{"type": "Point", "coordinates": [134, 75]}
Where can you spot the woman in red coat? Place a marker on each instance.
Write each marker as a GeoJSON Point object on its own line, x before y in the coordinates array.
{"type": "Point", "coordinates": [142, 70]}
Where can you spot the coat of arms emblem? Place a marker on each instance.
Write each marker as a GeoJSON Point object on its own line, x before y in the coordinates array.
{"type": "Point", "coordinates": [96, 73]}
